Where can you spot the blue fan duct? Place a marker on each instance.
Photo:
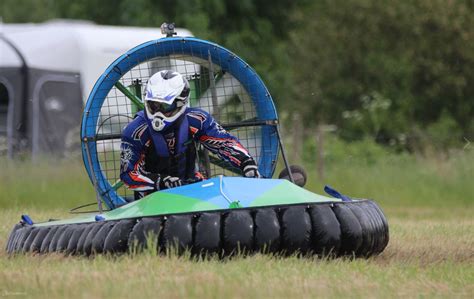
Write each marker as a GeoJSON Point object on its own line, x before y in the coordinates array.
{"type": "Point", "coordinates": [228, 61]}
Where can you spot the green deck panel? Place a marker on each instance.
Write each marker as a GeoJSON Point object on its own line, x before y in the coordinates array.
{"type": "Point", "coordinates": [165, 203]}
{"type": "Point", "coordinates": [289, 193]}
{"type": "Point", "coordinates": [160, 203]}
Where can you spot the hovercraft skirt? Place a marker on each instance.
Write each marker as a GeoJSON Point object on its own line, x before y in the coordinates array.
{"type": "Point", "coordinates": [356, 228]}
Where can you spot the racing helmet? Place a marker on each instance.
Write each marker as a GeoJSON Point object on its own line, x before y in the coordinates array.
{"type": "Point", "coordinates": [166, 98]}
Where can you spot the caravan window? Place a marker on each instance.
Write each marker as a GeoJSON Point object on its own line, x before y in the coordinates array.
{"type": "Point", "coordinates": [57, 110]}
{"type": "Point", "coordinates": [3, 118]}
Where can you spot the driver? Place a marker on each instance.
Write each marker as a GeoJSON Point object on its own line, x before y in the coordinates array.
{"type": "Point", "coordinates": [157, 151]}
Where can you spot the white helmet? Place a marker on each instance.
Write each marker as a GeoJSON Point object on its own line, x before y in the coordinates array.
{"type": "Point", "coordinates": [166, 97]}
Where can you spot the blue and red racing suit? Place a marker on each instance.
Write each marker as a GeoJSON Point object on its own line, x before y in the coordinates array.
{"type": "Point", "coordinates": [147, 155]}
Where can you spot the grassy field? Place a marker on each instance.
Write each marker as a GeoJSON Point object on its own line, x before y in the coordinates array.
{"type": "Point", "coordinates": [429, 204]}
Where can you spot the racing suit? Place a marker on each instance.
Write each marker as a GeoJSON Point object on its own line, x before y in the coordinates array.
{"type": "Point", "coordinates": [148, 155]}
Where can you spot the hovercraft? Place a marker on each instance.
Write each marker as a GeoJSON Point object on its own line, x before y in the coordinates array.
{"type": "Point", "coordinates": [224, 214]}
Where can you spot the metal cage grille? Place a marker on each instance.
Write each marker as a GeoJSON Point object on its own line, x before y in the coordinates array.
{"type": "Point", "coordinates": [216, 86]}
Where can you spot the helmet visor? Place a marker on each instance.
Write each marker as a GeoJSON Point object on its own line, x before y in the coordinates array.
{"type": "Point", "coordinates": [166, 109]}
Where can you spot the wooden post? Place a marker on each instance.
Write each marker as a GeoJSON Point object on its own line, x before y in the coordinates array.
{"type": "Point", "coordinates": [297, 134]}
{"type": "Point", "coordinates": [320, 151]}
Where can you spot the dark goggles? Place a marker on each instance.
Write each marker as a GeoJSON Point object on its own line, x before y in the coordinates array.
{"type": "Point", "coordinates": [164, 108]}
{"type": "Point", "coordinates": [155, 107]}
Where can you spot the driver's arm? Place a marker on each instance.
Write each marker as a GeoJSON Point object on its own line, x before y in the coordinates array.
{"type": "Point", "coordinates": [132, 159]}
{"type": "Point", "coordinates": [131, 169]}
{"type": "Point", "coordinates": [220, 142]}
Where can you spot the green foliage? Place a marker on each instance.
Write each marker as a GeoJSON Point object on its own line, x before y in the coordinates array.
{"type": "Point", "coordinates": [359, 153]}
{"type": "Point", "coordinates": [393, 72]}
{"type": "Point", "coordinates": [444, 133]}
{"type": "Point", "coordinates": [374, 120]}
{"type": "Point", "coordinates": [416, 54]}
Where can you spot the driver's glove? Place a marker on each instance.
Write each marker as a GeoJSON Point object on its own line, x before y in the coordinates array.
{"type": "Point", "coordinates": [250, 169]}
{"type": "Point", "coordinates": [168, 182]}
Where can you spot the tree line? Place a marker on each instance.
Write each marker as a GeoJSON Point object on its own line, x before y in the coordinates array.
{"type": "Point", "coordinates": [399, 72]}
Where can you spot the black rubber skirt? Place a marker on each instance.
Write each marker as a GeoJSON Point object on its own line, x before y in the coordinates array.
{"type": "Point", "coordinates": [356, 228]}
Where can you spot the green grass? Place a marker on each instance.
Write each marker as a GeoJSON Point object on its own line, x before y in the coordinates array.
{"type": "Point", "coordinates": [428, 258]}
{"type": "Point", "coordinates": [408, 180]}
{"type": "Point", "coordinates": [429, 204]}
{"type": "Point", "coordinates": [44, 184]}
